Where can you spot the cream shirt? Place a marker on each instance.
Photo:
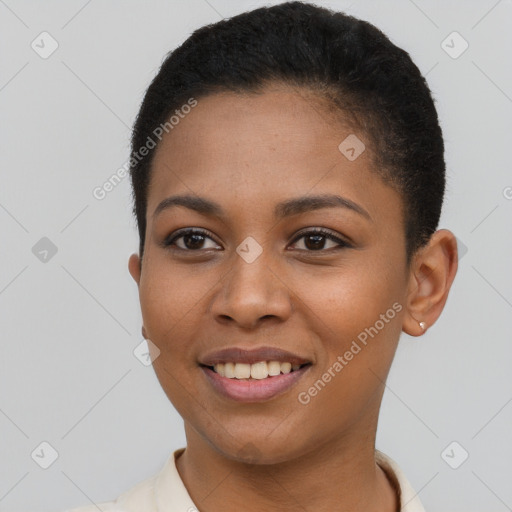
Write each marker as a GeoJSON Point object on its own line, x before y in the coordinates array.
{"type": "Point", "coordinates": [165, 492]}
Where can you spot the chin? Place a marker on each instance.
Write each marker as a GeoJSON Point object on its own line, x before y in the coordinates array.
{"type": "Point", "coordinates": [260, 452]}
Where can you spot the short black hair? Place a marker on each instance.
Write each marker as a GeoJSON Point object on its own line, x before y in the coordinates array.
{"type": "Point", "coordinates": [347, 61]}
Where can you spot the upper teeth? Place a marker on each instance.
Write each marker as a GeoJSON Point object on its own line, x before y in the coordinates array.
{"type": "Point", "coordinates": [259, 370]}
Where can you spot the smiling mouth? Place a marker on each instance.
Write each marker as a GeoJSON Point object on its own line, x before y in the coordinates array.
{"type": "Point", "coordinates": [256, 371]}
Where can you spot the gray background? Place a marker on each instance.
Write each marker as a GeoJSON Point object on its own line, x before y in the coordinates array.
{"type": "Point", "coordinates": [70, 324]}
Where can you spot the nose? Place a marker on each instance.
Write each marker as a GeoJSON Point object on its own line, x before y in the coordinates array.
{"type": "Point", "coordinates": [252, 293]}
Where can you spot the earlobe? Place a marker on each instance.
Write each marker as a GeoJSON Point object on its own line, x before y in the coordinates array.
{"type": "Point", "coordinates": [134, 267]}
{"type": "Point", "coordinates": [432, 273]}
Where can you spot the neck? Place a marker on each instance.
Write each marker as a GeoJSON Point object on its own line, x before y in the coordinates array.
{"type": "Point", "coordinates": [340, 474]}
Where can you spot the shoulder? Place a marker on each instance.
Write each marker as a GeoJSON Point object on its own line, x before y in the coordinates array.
{"type": "Point", "coordinates": [165, 489]}
{"type": "Point", "coordinates": [408, 498]}
{"type": "Point", "coordinates": [139, 498]}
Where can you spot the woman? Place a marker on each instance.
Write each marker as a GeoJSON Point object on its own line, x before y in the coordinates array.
{"type": "Point", "coordinates": [288, 176]}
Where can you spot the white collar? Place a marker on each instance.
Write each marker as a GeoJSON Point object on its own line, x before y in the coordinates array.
{"type": "Point", "coordinates": [409, 500]}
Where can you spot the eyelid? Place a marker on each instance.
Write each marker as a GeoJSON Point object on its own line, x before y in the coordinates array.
{"type": "Point", "coordinates": [187, 231]}
{"type": "Point", "coordinates": [342, 241]}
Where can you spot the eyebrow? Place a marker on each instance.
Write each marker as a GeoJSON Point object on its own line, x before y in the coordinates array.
{"type": "Point", "coordinates": [284, 209]}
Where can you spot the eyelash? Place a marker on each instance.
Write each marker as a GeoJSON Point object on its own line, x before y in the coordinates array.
{"type": "Point", "coordinates": [169, 241]}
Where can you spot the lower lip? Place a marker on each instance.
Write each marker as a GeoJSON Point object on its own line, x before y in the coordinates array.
{"type": "Point", "coordinates": [254, 390]}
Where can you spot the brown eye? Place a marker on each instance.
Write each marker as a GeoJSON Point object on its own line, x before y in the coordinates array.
{"type": "Point", "coordinates": [190, 240]}
{"type": "Point", "coordinates": [316, 240]}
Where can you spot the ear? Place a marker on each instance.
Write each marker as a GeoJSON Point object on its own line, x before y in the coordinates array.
{"type": "Point", "coordinates": [134, 266]}
{"type": "Point", "coordinates": [431, 276]}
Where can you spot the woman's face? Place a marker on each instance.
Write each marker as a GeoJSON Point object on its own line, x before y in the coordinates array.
{"type": "Point", "coordinates": [260, 278]}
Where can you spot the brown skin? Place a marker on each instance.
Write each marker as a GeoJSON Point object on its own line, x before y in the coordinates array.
{"type": "Point", "coordinates": [247, 153]}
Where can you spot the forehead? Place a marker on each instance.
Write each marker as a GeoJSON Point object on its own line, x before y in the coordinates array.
{"type": "Point", "coordinates": [230, 125]}
{"type": "Point", "coordinates": [260, 147]}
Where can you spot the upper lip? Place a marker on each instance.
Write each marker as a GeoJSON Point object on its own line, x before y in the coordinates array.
{"type": "Point", "coordinates": [241, 355]}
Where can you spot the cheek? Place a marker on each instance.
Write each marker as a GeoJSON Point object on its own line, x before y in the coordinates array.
{"type": "Point", "coordinates": [360, 315]}
{"type": "Point", "coordinates": [354, 297]}
{"type": "Point", "coordinates": [170, 296]}
{"type": "Point", "coordinates": [169, 301]}
{"type": "Point", "coordinates": [360, 318]}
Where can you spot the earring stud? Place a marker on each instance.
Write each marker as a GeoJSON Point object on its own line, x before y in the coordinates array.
{"type": "Point", "coordinates": [423, 325]}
